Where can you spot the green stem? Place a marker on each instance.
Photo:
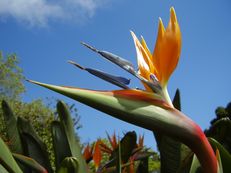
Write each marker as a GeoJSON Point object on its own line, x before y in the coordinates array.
{"type": "Point", "coordinates": [166, 95]}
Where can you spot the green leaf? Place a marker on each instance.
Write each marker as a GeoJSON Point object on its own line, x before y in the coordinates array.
{"type": "Point", "coordinates": [29, 162]}
{"type": "Point", "coordinates": [127, 145]}
{"type": "Point", "coordinates": [170, 154]}
{"type": "Point", "coordinates": [69, 165]}
{"type": "Point", "coordinates": [3, 170]}
{"type": "Point", "coordinates": [124, 151]}
{"type": "Point", "coordinates": [67, 123]}
{"type": "Point", "coordinates": [7, 160]}
{"type": "Point", "coordinates": [34, 146]}
{"type": "Point", "coordinates": [220, 168]}
{"type": "Point", "coordinates": [195, 166]}
{"type": "Point", "coordinates": [143, 166]}
{"type": "Point", "coordinates": [224, 154]}
{"type": "Point", "coordinates": [11, 128]}
{"type": "Point", "coordinates": [119, 163]}
{"type": "Point", "coordinates": [170, 149]}
{"type": "Point", "coordinates": [60, 143]}
{"type": "Point", "coordinates": [176, 100]}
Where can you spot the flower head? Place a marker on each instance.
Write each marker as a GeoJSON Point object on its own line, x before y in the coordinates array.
{"type": "Point", "coordinates": [150, 108]}
{"type": "Point", "coordinates": [153, 71]}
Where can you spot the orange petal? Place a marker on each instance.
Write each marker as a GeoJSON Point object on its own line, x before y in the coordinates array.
{"type": "Point", "coordinates": [97, 156]}
{"type": "Point", "coordinates": [144, 62]}
{"type": "Point", "coordinates": [152, 67]}
{"type": "Point", "coordinates": [167, 50]}
{"type": "Point", "coordinates": [156, 60]}
{"type": "Point", "coordinates": [87, 153]}
{"type": "Point", "coordinates": [143, 43]}
{"type": "Point", "coordinates": [114, 142]}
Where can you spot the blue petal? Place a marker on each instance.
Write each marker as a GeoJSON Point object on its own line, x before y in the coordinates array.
{"type": "Point", "coordinates": [124, 64]}
{"type": "Point", "coordinates": [116, 80]}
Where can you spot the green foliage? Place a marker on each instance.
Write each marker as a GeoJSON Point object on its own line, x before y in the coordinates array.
{"type": "Point", "coordinates": [11, 86]}
{"type": "Point", "coordinates": [39, 115]}
{"type": "Point", "coordinates": [20, 132]}
{"type": "Point", "coordinates": [69, 165]}
{"type": "Point", "coordinates": [125, 155]}
{"type": "Point", "coordinates": [11, 77]}
{"type": "Point", "coordinates": [36, 112]}
{"type": "Point", "coordinates": [220, 128]}
{"type": "Point", "coordinates": [221, 112]}
{"type": "Point", "coordinates": [35, 148]}
{"type": "Point", "coordinates": [223, 159]}
{"type": "Point", "coordinates": [225, 156]}
{"type": "Point", "coordinates": [7, 160]}
{"type": "Point", "coordinates": [195, 165]}
{"type": "Point", "coordinates": [59, 142]}
{"type": "Point", "coordinates": [29, 162]}
{"type": "Point", "coordinates": [127, 146]}
{"type": "Point", "coordinates": [154, 163]}
{"type": "Point", "coordinates": [11, 128]}
{"type": "Point", "coordinates": [68, 128]}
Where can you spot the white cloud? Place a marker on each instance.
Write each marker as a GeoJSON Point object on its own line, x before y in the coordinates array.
{"type": "Point", "coordinates": [40, 12]}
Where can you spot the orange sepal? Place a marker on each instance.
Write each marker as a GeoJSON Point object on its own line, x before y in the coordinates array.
{"type": "Point", "coordinates": [87, 153]}
{"type": "Point", "coordinates": [145, 64]}
{"type": "Point", "coordinates": [167, 49]}
{"type": "Point", "coordinates": [97, 156]}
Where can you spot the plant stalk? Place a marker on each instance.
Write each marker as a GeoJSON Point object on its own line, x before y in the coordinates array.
{"type": "Point", "coordinates": [204, 152]}
{"type": "Point", "coordinates": [199, 144]}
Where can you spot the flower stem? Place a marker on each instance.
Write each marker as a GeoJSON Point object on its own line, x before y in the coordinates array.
{"type": "Point", "coordinates": [166, 95]}
{"type": "Point", "coordinates": [199, 144]}
{"type": "Point", "coordinates": [205, 153]}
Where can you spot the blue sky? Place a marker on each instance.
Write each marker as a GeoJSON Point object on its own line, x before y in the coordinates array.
{"type": "Point", "coordinates": [46, 33]}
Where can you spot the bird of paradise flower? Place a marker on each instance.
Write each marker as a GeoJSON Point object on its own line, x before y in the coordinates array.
{"type": "Point", "coordinates": [150, 108]}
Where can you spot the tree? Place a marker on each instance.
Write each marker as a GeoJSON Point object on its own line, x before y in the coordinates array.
{"type": "Point", "coordinates": [220, 128]}
{"type": "Point", "coordinates": [11, 77]}
{"type": "Point", "coordinates": [11, 88]}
